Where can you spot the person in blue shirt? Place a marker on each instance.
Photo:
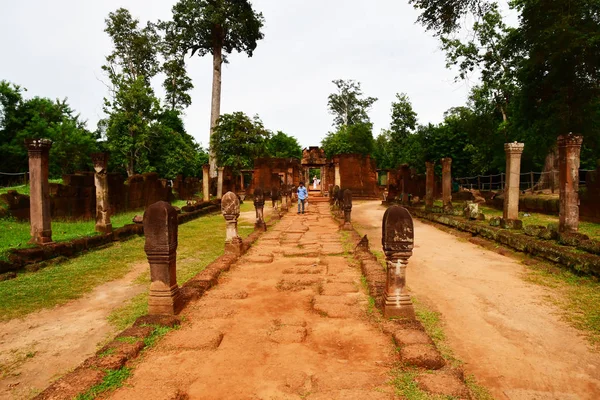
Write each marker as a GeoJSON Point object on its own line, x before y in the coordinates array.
{"type": "Point", "coordinates": [302, 196]}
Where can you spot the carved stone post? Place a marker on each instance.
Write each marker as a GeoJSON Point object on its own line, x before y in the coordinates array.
{"type": "Point", "coordinates": [347, 210]}
{"type": "Point", "coordinates": [230, 207]}
{"type": "Point", "coordinates": [160, 229]}
{"type": "Point", "coordinates": [447, 184]}
{"type": "Point", "coordinates": [429, 184]}
{"type": "Point", "coordinates": [103, 211]}
{"type": "Point", "coordinates": [398, 242]}
{"type": "Point", "coordinates": [275, 197]}
{"type": "Point", "coordinates": [512, 189]}
{"type": "Point", "coordinates": [338, 177]}
{"type": "Point", "coordinates": [220, 182]}
{"type": "Point", "coordinates": [259, 205]}
{"type": "Point", "coordinates": [206, 183]}
{"type": "Point", "coordinates": [569, 149]}
{"type": "Point", "coordinates": [39, 197]}
{"type": "Point", "coordinates": [284, 198]}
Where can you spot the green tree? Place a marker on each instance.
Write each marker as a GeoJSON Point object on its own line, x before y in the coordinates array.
{"type": "Point", "coordinates": [495, 50]}
{"type": "Point", "coordinates": [560, 77]}
{"type": "Point", "coordinates": [350, 139]}
{"type": "Point", "coordinates": [237, 140]}
{"type": "Point", "coordinates": [38, 117]}
{"type": "Point", "coordinates": [404, 118]}
{"type": "Point", "coordinates": [132, 107]}
{"type": "Point", "coordinates": [347, 105]}
{"type": "Point", "coordinates": [444, 16]}
{"type": "Point", "coordinates": [218, 27]}
{"type": "Point", "coordinates": [284, 146]}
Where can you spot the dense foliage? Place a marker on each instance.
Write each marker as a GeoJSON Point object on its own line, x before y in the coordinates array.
{"type": "Point", "coordinates": [22, 118]}
{"type": "Point", "coordinates": [238, 140]}
{"type": "Point", "coordinates": [216, 27]}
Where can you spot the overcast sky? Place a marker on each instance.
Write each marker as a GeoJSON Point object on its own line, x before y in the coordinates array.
{"type": "Point", "coordinates": [56, 48]}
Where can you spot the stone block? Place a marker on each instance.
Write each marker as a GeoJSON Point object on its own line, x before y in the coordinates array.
{"type": "Point", "coordinates": [511, 224]}
{"type": "Point", "coordinates": [422, 356]}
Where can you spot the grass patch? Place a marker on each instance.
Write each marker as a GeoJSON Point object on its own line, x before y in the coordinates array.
{"type": "Point", "coordinates": [157, 334]}
{"type": "Point", "coordinates": [403, 381]}
{"type": "Point", "coordinates": [200, 242]}
{"type": "Point", "coordinates": [113, 380]}
{"type": "Point", "coordinates": [478, 392]}
{"type": "Point", "coordinates": [577, 296]}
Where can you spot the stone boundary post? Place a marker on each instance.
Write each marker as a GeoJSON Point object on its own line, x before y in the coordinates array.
{"type": "Point", "coordinates": [230, 207]}
{"type": "Point", "coordinates": [398, 242]}
{"type": "Point", "coordinates": [161, 229]}
{"type": "Point", "coordinates": [103, 211]}
{"type": "Point", "coordinates": [206, 183]}
{"type": "Point", "coordinates": [569, 150]}
{"type": "Point", "coordinates": [259, 205]}
{"type": "Point", "coordinates": [39, 208]}
{"type": "Point", "coordinates": [429, 184]}
{"type": "Point", "coordinates": [220, 171]}
{"type": "Point", "coordinates": [347, 205]}
{"type": "Point", "coordinates": [513, 178]}
{"type": "Point", "coordinates": [447, 184]}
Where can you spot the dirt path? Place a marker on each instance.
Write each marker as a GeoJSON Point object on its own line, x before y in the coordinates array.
{"type": "Point", "coordinates": [509, 337]}
{"type": "Point", "coordinates": [48, 343]}
{"type": "Point", "coordinates": [287, 322]}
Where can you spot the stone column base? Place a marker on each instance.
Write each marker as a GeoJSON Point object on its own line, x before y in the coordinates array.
{"type": "Point", "coordinates": [43, 238]}
{"type": "Point", "coordinates": [347, 226]}
{"type": "Point", "coordinates": [167, 302]}
{"type": "Point", "coordinates": [449, 209]}
{"type": "Point", "coordinates": [511, 224]}
{"type": "Point", "coordinates": [260, 226]}
{"type": "Point", "coordinates": [234, 247]}
{"type": "Point", "coordinates": [102, 228]}
{"type": "Point", "coordinates": [394, 307]}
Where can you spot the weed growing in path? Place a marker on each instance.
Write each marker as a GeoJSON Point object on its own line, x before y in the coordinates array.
{"type": "Point", "coordinates": [113, 380]}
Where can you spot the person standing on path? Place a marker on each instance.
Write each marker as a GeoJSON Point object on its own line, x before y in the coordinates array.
{"type": "Point", "coordinates": [302, 196]}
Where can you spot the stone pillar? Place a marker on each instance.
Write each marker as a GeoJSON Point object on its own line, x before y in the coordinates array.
{"type": "Point", "coordinates": [338, 178]}
{"type": "Point", "coordinates": [398, 243]}
{"type": "Point", "coordinates": [513, 178]}
{"type": "Point", "coordinates": [447, 184]}
{"type": "Point", "coordinates": [160, 229]}
{"type": "Point", "coordinates": [569, 149]}
{"type": "Point", "coordinates": [242, 188]}
{"type": "Point", "coordinates": [230, 207]}
{"type": "Point", "coordinates": [39, 197]}
{"type": "Point", "coordinates": [429, 184]}
{"type": "Point", "coordinates": [259, 205]}
{"type": "Point", "coordinates": [206, 183]}
{"type": "Point", "coordinates": [100, 161]}
{"type": "Point", "coordinates": [347, 205]}
{"type": "Point", "coordinates": [220, 182]}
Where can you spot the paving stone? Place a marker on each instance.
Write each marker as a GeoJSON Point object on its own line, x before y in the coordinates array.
{"type": "Point", "coordinates": [288, 334]}
{"type": "Point", "coordinates": [197, 337]}
{"type": "Point", "coordinates": [422, 356]}
{"type": "Point", "coordinates": [339, 289]}
{"type": "Point", "coordinates": [443, 383]}
{"type": "Point", "coordinates": [407, 337]}
{"type": "Point", "coordinates": [258, 259]}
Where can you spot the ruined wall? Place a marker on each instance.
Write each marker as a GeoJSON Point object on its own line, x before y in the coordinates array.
{"type": "Point", "coordinates": [267, 172]}
{"type": "Point", "coordinates": [75, 198]}
{"type": "Point", "coordinates": [187, 188]}
{"type": "Point", "coordinates": [359, 174]}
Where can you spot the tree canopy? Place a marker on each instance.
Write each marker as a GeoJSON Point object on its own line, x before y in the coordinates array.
{"type": "Point", "coordinates": [347, 105]}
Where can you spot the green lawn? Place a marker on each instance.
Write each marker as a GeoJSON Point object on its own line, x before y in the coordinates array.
{"type": "Point", "coordinates": [200, 242]}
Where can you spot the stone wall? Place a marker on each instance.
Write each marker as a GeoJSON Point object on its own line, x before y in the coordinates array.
{"type": "Point", "coordinates": [359, 174]}
{"type": "Point", "coordinates": [267, 172]}
{"type": "Point", "coordinates": [75, 198]}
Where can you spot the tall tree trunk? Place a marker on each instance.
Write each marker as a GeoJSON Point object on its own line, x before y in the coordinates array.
{"type": "Point", "coordinates": [130, 165]}
{"type": "Point", "coordinates": [549, 178]}
{"type": "Point", "coordinates": [215, 110]}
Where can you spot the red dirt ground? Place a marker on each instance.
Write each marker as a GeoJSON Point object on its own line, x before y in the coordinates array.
{"type": "Point", "coordinates": [504, 329]}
